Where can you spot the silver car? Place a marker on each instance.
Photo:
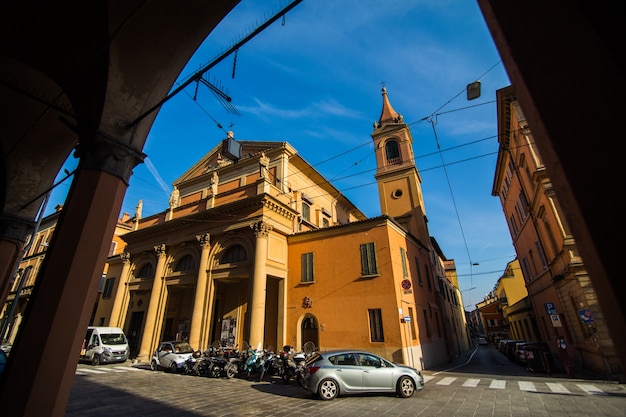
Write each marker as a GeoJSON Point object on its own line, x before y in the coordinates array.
{"type": "Point", "coordinates": [171, 356]}
{"type": "Point", "coordinates": [343, 372]}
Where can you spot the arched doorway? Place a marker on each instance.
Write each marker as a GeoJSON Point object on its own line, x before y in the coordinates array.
{"type": "Point", "coordinates": [309, 331]}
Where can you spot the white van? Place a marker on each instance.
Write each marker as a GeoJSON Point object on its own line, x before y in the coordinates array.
{"type": "Point", "coordinates": [104, 345]}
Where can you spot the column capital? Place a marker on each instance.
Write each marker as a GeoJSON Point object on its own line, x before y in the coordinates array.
{"type": "Point", "coordinates": [204, 240]}
{"type": "Point", "coordinates": [261, 229]}
{"type": "Point", "coordinates": [125, 257]}
{"type": "Point", "coordinates": [105, 153]}
{"type": "Point", "coordinates": [160, 250]}
{"type": "Point", "coordinates": [16, 228]}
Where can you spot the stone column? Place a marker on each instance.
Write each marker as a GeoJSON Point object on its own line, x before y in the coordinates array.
{"type": "Point", "coordinates": [259, 285]}
{"type": "Point", "coordinates": [67, 283]}
{"type": "Point", "coordinates": [118, 311]}
{"type": "Point", "coordinates": [150, 328]}
{"type": "Point", "coordinates": [199, 314]}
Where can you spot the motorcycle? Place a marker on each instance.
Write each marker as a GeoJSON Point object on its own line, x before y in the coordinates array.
{"type": "Point", "coordinates": [254, 363]}
{"type": "Point", "coordinates": [280, 365]}
{"type": "Point", "coordinates": [221, 363]}
{"type": "Point", "coordinates": [190, 367]}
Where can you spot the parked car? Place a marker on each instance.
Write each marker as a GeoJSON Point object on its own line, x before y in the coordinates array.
{"type": "Point", "coordinates": [510, 349]}
{"type": "Point", "coordinates": [343, 372]}
{"type": "Point", "coordinates": [502, 345]}
{"type": "Point", "coordinates": [482, 341]}
{"type": "Point", "coordinates": [171, 356]}
{"type": "Point", "coordinates": [520, 350]}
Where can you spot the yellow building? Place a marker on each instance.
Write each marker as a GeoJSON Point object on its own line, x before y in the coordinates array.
{"type": "Point", "coordinates": [516, 307]}
{"type": "Point", "coordinates": [569, 317]}
{"type": "Point", "coordinates": [23, 285]}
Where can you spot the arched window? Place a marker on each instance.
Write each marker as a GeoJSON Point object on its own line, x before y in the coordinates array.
{"type": "Point", "coordinates": [392, 151]}
{"type": "Point", "coordinates": [235, 253]}
{"type": "Point", "coordinates": [187, 263]}
{"type": "Point", "coordinates": [146, 271]}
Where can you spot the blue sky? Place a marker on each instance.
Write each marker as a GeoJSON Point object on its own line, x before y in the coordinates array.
{"type": "Point", "coordinates": [314, 80]}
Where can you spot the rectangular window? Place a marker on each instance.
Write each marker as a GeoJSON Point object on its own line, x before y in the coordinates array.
{"type": "Point", "coordinates": [428, 281]}
{"type": "Point", "coordinates": [405, 271]}
{"type": "Point", "coordinates": [542, 257]}
{"type": "Point", "coordinates": [306, 212]}
{"type": "Point", "coordinates": [419, 271]}
{"type": "Point", "coordinates": [307, 267]}
{"type": "Point", "coordinates": [413, 329]}
{"type": "Point", "coordinates": [108, 288]}
{"type": "Point", "coordinates": [528, 276]}
{"type": "Point", "coordinates": [376, 325]}
{"type": "Point", "coordinates": [325, 222]}
{"type": "Point", "coordinates": [369, 265]}
{"type": "Point", "coordinates": [427, 323]}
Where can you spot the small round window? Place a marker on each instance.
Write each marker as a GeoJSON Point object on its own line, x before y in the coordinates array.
{"type": "Point", "coordinates": [396, 193]}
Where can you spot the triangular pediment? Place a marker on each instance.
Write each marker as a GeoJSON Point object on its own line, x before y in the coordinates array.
{"type": "Point", "coordinates": [215, 158]}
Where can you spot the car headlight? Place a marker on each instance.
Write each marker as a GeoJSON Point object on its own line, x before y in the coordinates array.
{"type": "Point", "coordinates": [107, 349]}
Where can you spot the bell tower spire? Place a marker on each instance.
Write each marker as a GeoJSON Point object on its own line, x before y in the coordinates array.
{"type": "Point", "coordinates": [399, 182]}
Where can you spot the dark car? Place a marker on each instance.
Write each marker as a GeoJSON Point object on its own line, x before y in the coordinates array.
{"type": "Point", "coordinates": [171, 356]}
{"type": "Point", "coordinates": [509, 350]}
{"type": "Point", "coordinates": [343, 372]}
{"type": "Point", "coordinates": [520, 350]}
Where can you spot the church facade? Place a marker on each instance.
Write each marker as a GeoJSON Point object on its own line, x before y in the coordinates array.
{"type": "Point", "coordinates": [258, 249]}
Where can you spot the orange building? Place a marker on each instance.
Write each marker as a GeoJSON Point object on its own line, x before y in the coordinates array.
{"type": "Point", "coordinates": [563, 299]}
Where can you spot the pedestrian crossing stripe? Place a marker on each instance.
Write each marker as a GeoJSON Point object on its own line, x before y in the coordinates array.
{"type": "Point", "coordinates": [92, 371]}
{"type": "Point", "coordinates": [554, 387]}
{"type": "Point", "coordinates": [498, 384]}
{"type": "Point", "coordinates": [126, 368]}
{"type": "Point", "coordinates": [446, 381]}
{"type": "Point", "coordinates": [527, 386]}
{"type": "Point", "coordinates": [590, 389]}
{"type": "Point", "coordinates": [471, 382]}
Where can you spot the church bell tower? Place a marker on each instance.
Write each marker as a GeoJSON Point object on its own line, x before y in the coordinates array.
{"type": "Point", "coordinates": [399, 182]}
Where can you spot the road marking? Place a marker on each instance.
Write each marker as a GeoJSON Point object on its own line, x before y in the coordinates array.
{"type": "Point", "coordinates": [446, 381]}
{"type": "Point", "coordinates": [110, 370]}
{"type": "Point", "coordinates": [498, 384]}
{"type": "Point", "coordinates": [554, 387]}
{"type": "Point", "coordinates": [471, 382]}
{"type": "Point", "coordinates": [591, 389]}
{"type": "Point", "coordinates": [527, 386]}
{"type": "Point", "coordinates": [428, 377]}
{"type": "Point", "coordinates": [127, 368]}
{"type": "Point", "coordinates": [92, 371]}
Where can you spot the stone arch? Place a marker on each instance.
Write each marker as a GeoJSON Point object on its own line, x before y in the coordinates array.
{"type": "Point", "coordinates": [308, 330]}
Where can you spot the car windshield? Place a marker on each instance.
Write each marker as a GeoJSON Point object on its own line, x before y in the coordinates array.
{"type": "Point", "coordinates": [113, 338]}
{"type": "Point", "coordinates": [182, 347]}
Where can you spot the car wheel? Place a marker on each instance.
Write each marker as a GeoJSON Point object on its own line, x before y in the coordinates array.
{"type": "Point", "coordinates": [406, 387]}
{"type": "Point", "coordinates": [328, 389]}
{"type": "Point", "coordinates": [154, 366]}
{"type": "Point", "coordinates": [95, 361]}
{"type": "Point", "coordinates": [173, 368]}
